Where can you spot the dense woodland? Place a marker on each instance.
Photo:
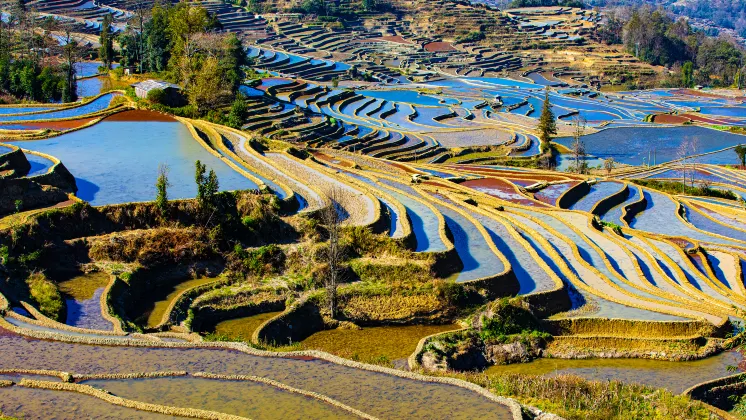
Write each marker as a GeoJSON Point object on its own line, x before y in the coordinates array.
{"type": "Point", "coordinates": [729, 14]}
{"type": "Point", "coordinates": [654, 36]}
{"type": "Point", "coordinates": [34, 64]}
{"type": "Point", "coordinates": [179, 44]}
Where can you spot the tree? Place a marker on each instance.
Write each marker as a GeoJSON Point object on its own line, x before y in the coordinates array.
{"type": "Point", "coordinates": [578, 145]}
{"type": "Point", "coordinates": [207, 187]}
{"type": "Point", "coordinates": [71, 55]}
{"type": "Point", "coordinates": [547, 124]}
{"type": "Point", "coordinates": [141, 11]}
{"type": "Point", "coordinates": [161, 186]}
{"type": "Point", "coordinates": [334, 253]}
{"type": "Point", "coordinates": [238, 112]}
{"type": "Point", "coordinates": [687, 74]}
{"type": "Point", "coordinates": [209, 87]}
{"type": "Point", "coordinates": [156, 50]}
{"type": "Point", "coordinates": [106, 39]}
{"type": "Point", "coordinates": [609, 165]}
{"type": "Point", "coordinates": [741, 152]}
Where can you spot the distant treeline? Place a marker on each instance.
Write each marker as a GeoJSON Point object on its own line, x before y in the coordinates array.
{"type": "Point", "coordinates": [730, 14]}
{"type": "Point", "coordinates": [546, 3]}
{"type": "Point", "coordinates": [653, 36]}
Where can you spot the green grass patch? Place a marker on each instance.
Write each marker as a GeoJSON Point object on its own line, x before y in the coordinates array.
{"type": "Point", "coordinates": [674, 187]}
{"type": "Point", "coordinates": [46, 296]}
{"type": "Point", "coordinates": [573, 397]}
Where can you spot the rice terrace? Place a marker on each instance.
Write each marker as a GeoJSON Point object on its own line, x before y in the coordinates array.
{"type": "Point", "coordinates": [378, 209]}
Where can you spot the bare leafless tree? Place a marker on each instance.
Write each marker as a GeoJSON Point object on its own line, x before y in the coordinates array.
{"type": "Point", "coordinates": [609, 165]}
{"type": "Point", "coordinates": [334, 253]}
{"type": "Point", "coordinates": [578, 145]}
{"type": "Point", "coordinates": [682, 154]}
{"type": "Point", "coordinates": [694, 151]}
{"type": "Point", "coordinates": [141, 14]}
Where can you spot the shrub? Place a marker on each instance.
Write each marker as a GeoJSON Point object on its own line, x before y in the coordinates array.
{"type": "Point", "coordinates": [269, 259]}
{"type": "Point", "coordinates": [156, 96]}
{"type": "Point", "coordinates": [473, 36]}
{"type": "Point", "coordinates": [507, 319]}
{"type": "Point", "coordinates": [46, 296]}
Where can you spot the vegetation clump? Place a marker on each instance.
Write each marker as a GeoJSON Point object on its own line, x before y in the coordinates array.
{"type": "Point", "coordinates": [674, 187]}
{"type": "Point", "coordinates": [46, 296]}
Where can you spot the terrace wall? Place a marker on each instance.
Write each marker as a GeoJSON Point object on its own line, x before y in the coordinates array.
{"type": "Point", "coordinates": [16, 161]}
{"type": "Point", "coordinates": [296, 323]}
{"type": "Point", "coordinates": [719, 391]}
{"type": "Point", "coordinates": [206, 317]}
{"type": "Point", "coordinates": [611, 201]}
{"type": "Point", "coordinates": [572, 195]}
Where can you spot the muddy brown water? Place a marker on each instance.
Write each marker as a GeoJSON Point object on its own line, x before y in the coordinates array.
{"type": "Point", "coordinates": [155, 311]}
{"type": "Point", "coordinates": [378, 394]}
{"type": "Point", "coordinates": [241, 329]}
{"type": "Point", "coordinates": [254, 400]}
{"type": "Point", "coordinates": [674, 376]}
{"type": "Point", "coordinates": [30, 403]}
{"type": "Point", "coordinates": [391, 342]}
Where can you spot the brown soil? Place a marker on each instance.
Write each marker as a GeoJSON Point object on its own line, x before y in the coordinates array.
{"type": "Point", "coordinates": [670, 119]}
{"type": "Point", "coordinates": [707, 120]}
{"type": "Point", "coordinates": [501, 189]}
{"type": "Point", "coordinates": [56, 125]}
{"type": "Point", "coordinates": [404, 168]}
{"type": "Point", "coordinates": [439, 47]}
{"type": "Point", "coordinates": [140, 115]}
{"type": "Point", "coordinates": [337, 161]}
{"type": "Point", "coordinates": [397, 39]}
{"type": "Point", "coordinates": [701, 94]}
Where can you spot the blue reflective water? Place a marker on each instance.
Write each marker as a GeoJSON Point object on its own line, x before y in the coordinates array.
{"type": "Point", "coordinates": [409, 96]}
{"type": "Point", "coordinates": [598, 192]}
{"type": "Point", "coordinates": [10, 109]}
{"type": "Point", "coordinates": [117, 162]}
{"type": "Point", "coordinates": [614, 215]}
{"type": "Point", "coordinates": [39, 165]}
{"type": "Point", "coordinates": [476, 256]}
{"type": "Point", "coordinates": [631, 145]}
{"type": "Point", "coordinates": [98, 104]}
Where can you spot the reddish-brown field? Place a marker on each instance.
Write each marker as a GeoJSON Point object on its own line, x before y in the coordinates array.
{"type": "Point", "coordinates": [396, 38]}
{"type": "Point", "coordinates": [439, 47]}
{"type": "Point", "coordinates": [329, 159]}
{"type": "Point", "coordinates": [140, 115]}
{"type": "Point", "coordinates": [670, 119]}
{"type": "Point", "coordinates": [502, 190]}
{"type": "Point", "coordinates": [56, 125]}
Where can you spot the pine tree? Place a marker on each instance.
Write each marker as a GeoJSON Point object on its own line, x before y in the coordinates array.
{"type": "Point", "coordinates": [106, 52]}
{"type": "Point", "coordinates": [161, 186]}
{"type": "Point", "coordinates": [547, 124]}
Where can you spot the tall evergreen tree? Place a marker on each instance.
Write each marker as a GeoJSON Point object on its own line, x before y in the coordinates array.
{"type": "Point", "coordinates": [106, 39]}
{"type": "Point", "coordinates": [547, 124]}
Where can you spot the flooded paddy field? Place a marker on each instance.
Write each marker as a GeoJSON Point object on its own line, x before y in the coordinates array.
{"type": "Point", "coordinates": [673, 376]}
{"type": "Point", "coordinates": [445, 194]}
{"type": "Point", "coordinates": [117, 161]}
{"type": "Point", "coordinates": [29, 403]}
{"type": "Point", "coordinates": [387, 343]}
{"type": "Point", "coordinates": [379, 394]}
{"type": "Point", "coordinates": [83, 300]}
{"type": "Point", "coordinates": [241, 329]}
{"type": "Point", "coordinates": [631, 145]}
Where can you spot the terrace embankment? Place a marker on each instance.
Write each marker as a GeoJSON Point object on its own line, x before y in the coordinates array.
{"type": "Point", "coordinates": [140, 115]}
{"type": "Point", "coordinates": [507, 332]}
{"type": "Point", "coordinates": [23, 192]}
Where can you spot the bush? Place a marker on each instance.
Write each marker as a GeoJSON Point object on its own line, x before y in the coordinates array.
{"type": "Point", "coordinates": [269, 259]}
{"type": "Point", "coordinates": [508, 319]}
{"type": "Point", "coordinates": [156, 96]}
{"type": "Point", "coordinates": [473, 36]}
{"type": "Point", "coordinates": [46, 296]}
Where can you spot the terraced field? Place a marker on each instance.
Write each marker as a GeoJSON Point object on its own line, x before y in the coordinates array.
{"type": "Point", "coordinates": [430, 162]}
